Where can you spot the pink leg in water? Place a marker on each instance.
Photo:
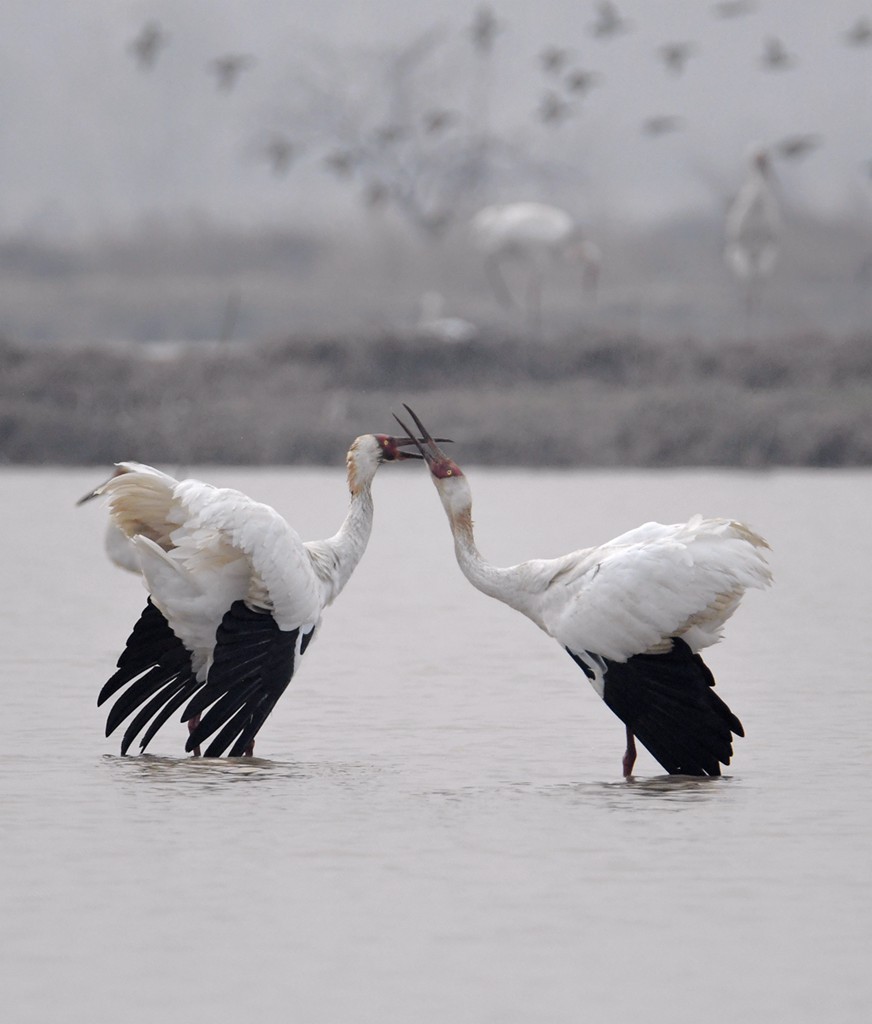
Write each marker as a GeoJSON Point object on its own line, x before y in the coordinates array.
{"type": "Point", "coordinates": [192, 725]}
{"type": "Point", "coordinates": [630, 755]}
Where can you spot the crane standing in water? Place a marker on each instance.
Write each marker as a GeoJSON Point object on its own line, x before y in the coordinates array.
{"type": "Point", "coordinates": [752, 231]}
{"type": "Point", "coordinates": [235, 598]}
{"type": "Point", "coordinates": [535, 236]}
{"type": "Point", "coordinates": [633, 614]}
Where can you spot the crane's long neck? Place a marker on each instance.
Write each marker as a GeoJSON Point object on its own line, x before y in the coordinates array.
{"type": "Point", "coordinates": [493, 580]}
{"type": "Point", "coordinates": [339, 555]}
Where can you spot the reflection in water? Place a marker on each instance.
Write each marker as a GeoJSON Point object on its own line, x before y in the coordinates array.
{"type": "Point", "coordinates": [668, 791]}
{"type": "Point", "coordinates": [218, 772]}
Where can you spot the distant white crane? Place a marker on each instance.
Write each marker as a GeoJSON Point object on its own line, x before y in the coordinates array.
{"type": "Point", "coordinates": [753, 229]}
{"type": "Point", "coordinates": [534, 235]}
{"type": "Point", "coordinates": [633, 614]}
{"type": "Point", "coordinates": [434, 325]}
{"type": "Point", "coordinates": [235, 599]}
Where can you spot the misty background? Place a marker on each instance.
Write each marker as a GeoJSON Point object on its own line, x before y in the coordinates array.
{"type": "Point", "coordinates": [245, 208]}
{"type": "Point", "coordinates": [179, 204]}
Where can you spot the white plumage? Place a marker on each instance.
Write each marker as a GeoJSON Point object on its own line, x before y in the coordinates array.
{"type": "Point", "coordinates": [533, 235]}
{"type": "Point", "coordinates": [753, 227]}
{"type": "Point", "coordinates": [235, 597]}
{"type": "Point", "coordinates": [634, 613]}
{"type": "Point", "coordinates": [434, 325]}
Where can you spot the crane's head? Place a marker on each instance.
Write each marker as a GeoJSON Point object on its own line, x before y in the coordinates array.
{"type": "Point", "coordinates": [369, 451]}
{"type": "Point", "coordinates": [440, 466]}
{"type": "Point", "coordinates": [448, 477]}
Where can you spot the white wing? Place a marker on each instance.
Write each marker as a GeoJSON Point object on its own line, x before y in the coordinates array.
{"type": "Point", "coordinates": [234, 584]}
{"type": "Point", "coordinates": [632, 595]}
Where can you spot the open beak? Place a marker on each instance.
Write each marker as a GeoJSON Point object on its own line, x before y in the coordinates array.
{"type": "Point", "coordinates": [404, 442]}
{"type": "Point", "coordinates": [432, 450]}
{"type": "Point", "coordinates": [407, 442]}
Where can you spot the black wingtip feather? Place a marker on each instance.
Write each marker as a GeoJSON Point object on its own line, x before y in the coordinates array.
{"type": "Point", "coordinates": [156, 668]}
{"type": "Point", "coordinates": [252, 666]}
{"type": "Point", "coordinates": [668, 702]}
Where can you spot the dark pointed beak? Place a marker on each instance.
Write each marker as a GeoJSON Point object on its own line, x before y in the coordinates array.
{"type": "Point", "coordinates": [432, 450]}
{"type": "Point", "coordinates": [406, 442]}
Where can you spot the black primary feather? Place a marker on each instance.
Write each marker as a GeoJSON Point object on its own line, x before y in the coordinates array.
{"type": "Point", "coordinates": [252, 667]}
{"type": "Point", "coordinates": [668, 702]}
{"type": "Point", "coordinates": [156, 668]}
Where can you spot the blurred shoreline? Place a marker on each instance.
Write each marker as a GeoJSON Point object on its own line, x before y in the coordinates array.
{"type": "Point", "coordinates": [588, 398]}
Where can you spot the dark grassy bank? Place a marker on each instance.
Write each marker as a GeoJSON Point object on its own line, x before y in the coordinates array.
{"type": "Point", "coordinates": [585, 400]}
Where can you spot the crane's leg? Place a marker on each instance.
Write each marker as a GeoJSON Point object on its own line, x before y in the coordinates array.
{"type": "Point", "coordinates": [497, 281]}
{"type": "Point", "coordinates": [752, 298]}
{"type": "Point", "coordinates": [630, 754]}
{"type": "Point", "coordinates": [192, 725]}
{"type": "Point", "coordinates": [534, 303]}
{"type": "Point", "coordinates": [249, 750]}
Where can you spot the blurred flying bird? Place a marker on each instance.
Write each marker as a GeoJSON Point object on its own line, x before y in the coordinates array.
{"type": "Point", "coordinates": [147, 45]}
{"type": "Point", "coordinates": [437, 120]}
{"type": "Point", "coordinates": [633, 614]}
{"type": "Point", "coordinates": [609, 22]}
{"type": "Point", "coordinates": [375, 194]}
{"type": "Point", "coordinates": [734, 8]}
{"type": "Point", "coordinates": [553, 108]}
{"type": "Point", "coordinates": [484, 29]}
{"type": "Point", "coordinates": [753, 228]}
{"type": "Point", "coordinates": [229, 67]}
{"type": "Point", "coordinates": [553, 59]}
{"type": "Point", "coordinates": [535, 235]}
{"type": "Point", "coordinates": [676, 55]}
{"type": "Point", "coordinates": [795, 147]}
{"type": "Point", "coordinates": [341, 162]}
{"type": "Point", "coordinates": [279, 152]}
{"type": "Point", "coordinates": [581, 82]}
{"type": "Point", "coordinates": [388, 134]}
{"type": "Point", "coordinates": [860, 33]}
{"type": "Point", "coordinates": [776, 57]}
{"type": "Point", "coordinates": [235, 598]}
{"type": "Point", "coordinates": [661, 124]}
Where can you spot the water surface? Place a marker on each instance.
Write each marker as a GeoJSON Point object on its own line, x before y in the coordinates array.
{"type": "Point", "coordinates": [436, 829]}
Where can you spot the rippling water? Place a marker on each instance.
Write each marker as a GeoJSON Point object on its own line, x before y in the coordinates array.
{"type": "Point", "coordinates": [437, 829]}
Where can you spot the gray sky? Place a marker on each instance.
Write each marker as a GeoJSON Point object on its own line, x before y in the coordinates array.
{"type": "Point", "coordinates": [89, 142]}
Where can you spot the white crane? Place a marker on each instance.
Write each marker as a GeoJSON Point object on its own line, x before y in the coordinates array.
{"type": "Point", "coordinates": [235, 599]}
{"type": "Point", "coordinates": [434, 325]}
{"type": "Point", "coordinates": [753, 228]}
{"type": "Point", "coordinates": [534, 235]}
{"type": "Point", "coordinates": [633, 614]}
